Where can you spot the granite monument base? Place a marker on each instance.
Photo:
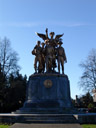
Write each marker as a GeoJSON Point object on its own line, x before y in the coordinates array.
{"type": "Point", "coordinates": [47, 93]}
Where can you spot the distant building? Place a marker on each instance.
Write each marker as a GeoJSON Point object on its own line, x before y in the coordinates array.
{"type": "Point", "coordinates": [94, 95]}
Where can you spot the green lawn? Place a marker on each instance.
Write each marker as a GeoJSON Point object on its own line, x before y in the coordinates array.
{"type": "Point", "coordinates": [88, 126]}
{"type": "Point", "coordinates": [4, 126]}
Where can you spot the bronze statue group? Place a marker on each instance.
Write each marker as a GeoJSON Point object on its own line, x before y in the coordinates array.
{"type": "Point", "coordinates": [48, 53]}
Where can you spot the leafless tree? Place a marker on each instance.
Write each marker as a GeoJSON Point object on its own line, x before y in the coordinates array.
{"type": "Point", "coordinates": [8, 57]}
{"type": "Point", "coordinates": [88, 78]}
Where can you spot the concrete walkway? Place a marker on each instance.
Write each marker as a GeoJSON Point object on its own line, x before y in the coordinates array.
{"type": "Point", "coordinates": [22, 125]}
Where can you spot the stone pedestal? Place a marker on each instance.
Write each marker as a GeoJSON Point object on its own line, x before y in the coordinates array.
{"type": "Point", "coordinates": [47, 93]}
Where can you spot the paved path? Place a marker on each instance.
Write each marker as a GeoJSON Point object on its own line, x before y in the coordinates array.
{"type": "Point", "coordinates": [22, 125]}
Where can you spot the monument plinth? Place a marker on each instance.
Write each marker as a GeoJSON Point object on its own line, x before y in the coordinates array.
{"type": "Point", "coordinates": [47, 92]}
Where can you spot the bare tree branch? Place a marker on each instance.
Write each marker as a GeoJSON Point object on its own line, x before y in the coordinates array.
{"type": "Point", "coordinates": [8, 57]}
{"type": "Point", "coordinates": [88, 79]}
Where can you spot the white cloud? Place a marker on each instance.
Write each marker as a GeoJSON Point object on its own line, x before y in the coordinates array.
{"type": "Point", "coordinates": [41, 23]}
{"type": "Point", "coordinates": [19, 24]}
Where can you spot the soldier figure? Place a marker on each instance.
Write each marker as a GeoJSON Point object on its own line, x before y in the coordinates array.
{"type": "Point", "coordinates": [38, 57]}
{"type": "Point", "coordinates": [43, 57]}
{"type": "Point", "coordinates": [61, 56]}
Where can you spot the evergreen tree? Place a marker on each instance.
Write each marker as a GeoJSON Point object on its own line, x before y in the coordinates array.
{"type": "Point", "coordinates": [16, 92]}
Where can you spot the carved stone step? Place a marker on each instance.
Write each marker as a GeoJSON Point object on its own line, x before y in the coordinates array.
{"type": "Point", "coordinates": [47, 118]}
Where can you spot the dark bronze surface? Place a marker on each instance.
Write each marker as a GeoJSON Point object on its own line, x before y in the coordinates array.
{"type": "Point", "coordinates": [47, 54]}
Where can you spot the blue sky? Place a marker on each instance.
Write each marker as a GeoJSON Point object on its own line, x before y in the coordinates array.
{"type": "Point", "coordinates": [20, 19]}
